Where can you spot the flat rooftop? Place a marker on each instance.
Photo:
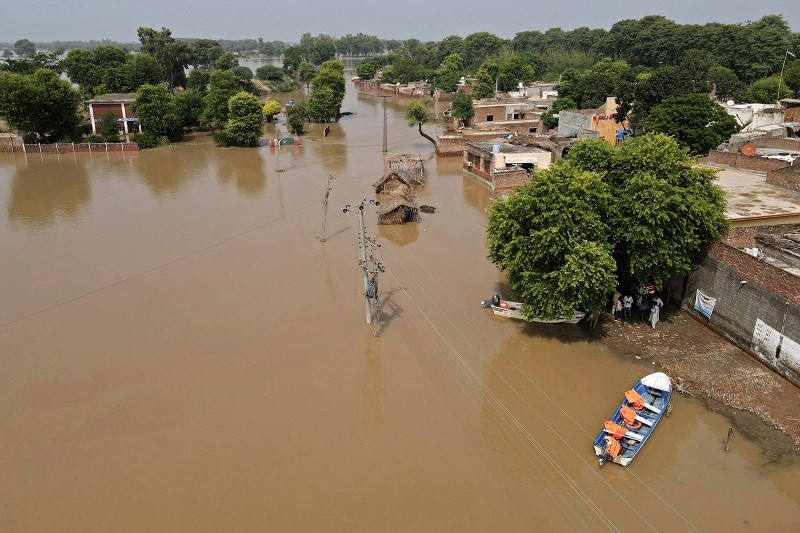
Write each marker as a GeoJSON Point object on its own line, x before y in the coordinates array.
{"type": "Point", "coordinates": [751, 201]}
{"type": "Point", "coordinates": [505, 147]}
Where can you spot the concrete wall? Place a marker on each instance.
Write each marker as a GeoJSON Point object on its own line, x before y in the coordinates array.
{"type": "Point", "coordinates": [81, 147]}
{"type": "Point", "coordinates": [571, 123]}
{"type": "Point", "coordinates": [770, 294]}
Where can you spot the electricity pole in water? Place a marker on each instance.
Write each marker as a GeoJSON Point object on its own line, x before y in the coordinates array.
{"type": "Point", "coordinates": [325, 208]}
{"type": "Point", "coordinates": [370, 266]}
{"type": "Point", "coordinates": [385, 137]}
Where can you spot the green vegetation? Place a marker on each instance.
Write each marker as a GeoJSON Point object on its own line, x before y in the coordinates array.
{"type": "Point", "coordinates": [461, 108]}
{"type": "Point", "coordinates": [417, 115]}
{"type": "Point", "coordinates": [270, 109]}
{"type": "Point", "coordinates": [24, 48]}
{"type": "Point", "coordinates": [327, 93]}
{"type": "Point", "coordinates": [295, 118]}
{"type": "Point", "coordinates": [157, 112]}
{"type": "Point", "coordinates": [566, 240]}
{"type": "Point", "coordinates": [244, 127]}
{"type": "Point", "coordinates": [39, 103]}
{"type": "Point", "coordinates": [695, 121]}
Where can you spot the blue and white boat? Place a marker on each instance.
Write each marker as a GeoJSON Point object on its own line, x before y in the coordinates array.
{"type": "Point", "coordinates": [634, 420]}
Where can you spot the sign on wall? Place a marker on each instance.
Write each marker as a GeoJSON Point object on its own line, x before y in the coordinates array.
{"type": "Point", "coordinates": [768, 342]}
{"type": "Point", "coordinates": [704, 304]}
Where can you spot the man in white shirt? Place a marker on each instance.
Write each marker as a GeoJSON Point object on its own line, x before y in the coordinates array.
{"type": "Point", "coordinates": [627, 302]}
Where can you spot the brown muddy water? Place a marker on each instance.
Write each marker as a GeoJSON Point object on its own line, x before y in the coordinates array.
{"type": "Point", "coordinates": [179, 351]}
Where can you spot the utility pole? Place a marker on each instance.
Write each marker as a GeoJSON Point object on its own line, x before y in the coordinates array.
{"type": "Point", "coordinates": [325, 208]}
{"type": "Point", "coordinates": [385, 145]}
{"type": "Point", "coordinates": [370, 266]}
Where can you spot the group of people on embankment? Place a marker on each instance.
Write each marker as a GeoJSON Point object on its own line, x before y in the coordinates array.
{"type": "Point", "coordinates": [647, 302]}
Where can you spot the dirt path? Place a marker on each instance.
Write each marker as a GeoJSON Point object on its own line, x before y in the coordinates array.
{"type": "Point", "coordinates": [727, 379]}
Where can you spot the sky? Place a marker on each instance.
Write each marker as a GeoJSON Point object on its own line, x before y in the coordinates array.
{"type": "Point", "coordinates": [427, 20]}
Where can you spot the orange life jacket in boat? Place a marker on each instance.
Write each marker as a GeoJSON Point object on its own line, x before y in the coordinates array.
{"type": "Point", "coordinates": [629, 417]}
{"type": "Point", "coordinates": [635, 399]}
{"type": "Point", "coordinates": [615, 430]}
{"type": "Point", "coordinates": [613, 447]}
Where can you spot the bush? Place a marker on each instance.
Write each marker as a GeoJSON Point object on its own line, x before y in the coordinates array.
{"type": "Point", "coordinates": [94, 138]}
{"type": "Point", "coordinates": [148, 139]}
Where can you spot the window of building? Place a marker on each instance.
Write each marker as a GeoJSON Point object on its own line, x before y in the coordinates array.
{"type": "Point", "coordinates": [489, 118]}
{"type": "Point", "coordinates": [516, 116]}
{"type": "Point", "coordinates": [531, 130]}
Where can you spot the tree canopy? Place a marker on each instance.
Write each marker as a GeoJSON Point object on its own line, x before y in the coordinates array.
{"type": "Point", "coordinates": [694, 120]}
{"type": "Point", "coordinates": [244, 127]}
{"type": "Point", "coordinates": [566, 241]}
{"type": "Point", "coordinates": [40, 103]}
{"type": "Point", "coordinates": [417, 115]}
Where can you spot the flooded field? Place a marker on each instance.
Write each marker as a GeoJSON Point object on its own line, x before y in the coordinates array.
{"type": "Point", "coordinates": [179, 351]}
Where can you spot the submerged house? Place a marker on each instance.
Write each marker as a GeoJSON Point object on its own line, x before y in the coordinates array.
{"type": "Point", "coordinates": [397, 209]}
{"type": "Point", "coordinates": [390, 181]}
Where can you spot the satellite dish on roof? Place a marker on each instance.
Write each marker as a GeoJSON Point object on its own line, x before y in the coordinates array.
{"type": "Point", "coordinates": [748, 149]}
{"type": "Point", "coordinates": [730, 102]}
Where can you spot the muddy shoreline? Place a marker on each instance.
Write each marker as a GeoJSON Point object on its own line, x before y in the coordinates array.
{"type": "Point", "coordinates": [761, 405]}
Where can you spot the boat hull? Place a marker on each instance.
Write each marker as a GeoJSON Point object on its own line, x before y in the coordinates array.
{"type": "Point", "coordinates": [511, 309]}
{"type": "Point", "coordinates": [656, 389]}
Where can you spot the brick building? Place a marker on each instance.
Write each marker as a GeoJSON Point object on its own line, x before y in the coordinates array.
{"type": "Point", "coordinates": [117, 103]}
{"type": "Point", "coordinates": [503, 165]}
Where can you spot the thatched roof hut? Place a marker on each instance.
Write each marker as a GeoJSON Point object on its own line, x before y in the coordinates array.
{"type": "Point", "coordinates": [397, 210]}
{"type": "Point", "coordinates": [389, 182]}
{"type": "Point", "coordinates": [405, 192]}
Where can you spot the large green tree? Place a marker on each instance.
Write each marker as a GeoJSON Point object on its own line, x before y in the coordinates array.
{"type": "Point", "coordinates": [24, 47]}
{"type": "Point", "coordinates": [566, 241]}
{"type": "Point", "coordinates": [665, 208]}
{"type": "Point", "coordinates": [461, 108]}
{"type": "Point", "coordinates": [553, 240]}
{"type": "Point", "coordinates": [174, 56]}
{"type": "Point", "coordinates": [694, 120]}
{"type": "Point", "coordinates": [327, 92]}
{"type": "Point", "coordinates": [41, 104]}
{"type": "Point", "coordinates": [244, 127]}
{"type": "Point", "coordinates": [157, 112]}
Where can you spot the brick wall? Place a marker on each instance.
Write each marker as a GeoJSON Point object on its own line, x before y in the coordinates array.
{"type": "Point", "coordinates": [81, 147]}
{"type": "Point", "coordinates": [450, 145]}
{"type": "Point", "coordinates": [786, 177]}
{"type": "Point", "coordinates": [777, 142]}
{"type": "Point", "coordinates": [744, 237]}
{"type": "Point", "coordinates": [772, 278]}
{"type": "Point", "coordinates": [10, 142]}
{"type": "Point", "coordinates": [497, 111]}
{"type": "Point", "coordinates": [503, 183]}
{"type": "Point", "coordinates": [741, 161]}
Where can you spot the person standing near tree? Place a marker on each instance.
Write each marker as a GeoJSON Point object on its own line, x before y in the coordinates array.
{"type": "Point", "coordinates": [627, 302]}
{"type": "Point", "coordinates": [618, 310]}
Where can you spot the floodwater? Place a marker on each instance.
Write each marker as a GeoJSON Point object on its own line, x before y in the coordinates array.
{"type": "Point", "coordinates": [179, 351]}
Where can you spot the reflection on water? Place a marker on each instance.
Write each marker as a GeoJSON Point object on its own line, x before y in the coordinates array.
{"type": "Point", "coordinates": [41, 191]}
{"type": "Point", "coordinates": [400, 234]}
{"type": "Point", "coordinates": [475, 194]}
{"type": "Point", "coordinates": [373, 387]}
{"type": "Point", "coordinates": [168, 170]}
{"type": "Point", "coordinates": [245, 168]}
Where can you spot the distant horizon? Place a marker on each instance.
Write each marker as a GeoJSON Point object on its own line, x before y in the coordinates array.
{"type": "Point", "coordinates": [413, 19]}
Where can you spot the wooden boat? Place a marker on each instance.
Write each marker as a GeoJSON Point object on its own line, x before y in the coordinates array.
{"type": "Point", "coordinates": [513, 310]}
{"type": "Point", "coordinates": [634, 420]}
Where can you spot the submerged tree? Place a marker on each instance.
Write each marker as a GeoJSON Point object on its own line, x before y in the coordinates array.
{"type": "Point", "coordinates": [417, 115]}
{"type": "Point", "coordinates": [244, 127]}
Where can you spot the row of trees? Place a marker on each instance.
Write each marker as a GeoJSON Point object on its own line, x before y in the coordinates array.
{"type": "Point", "coordinates": [602, 217]}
